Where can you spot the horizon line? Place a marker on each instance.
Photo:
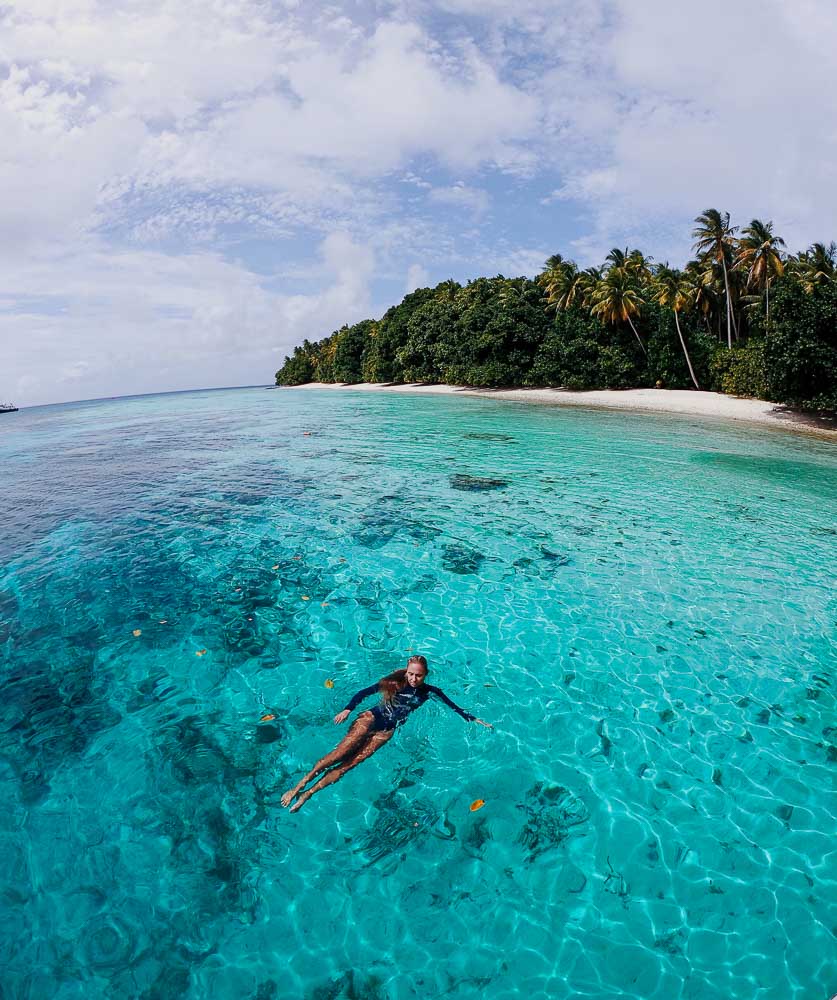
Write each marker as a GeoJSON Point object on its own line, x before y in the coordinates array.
{"type": "Point", "coordinates": [142, 395]}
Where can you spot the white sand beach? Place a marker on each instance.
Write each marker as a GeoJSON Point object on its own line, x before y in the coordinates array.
{"type": "Point", "coordinates": [679, 401]}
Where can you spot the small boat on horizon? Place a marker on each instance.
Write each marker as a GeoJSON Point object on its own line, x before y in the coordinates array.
{"type": "Point", "coordinates": [7, 408]}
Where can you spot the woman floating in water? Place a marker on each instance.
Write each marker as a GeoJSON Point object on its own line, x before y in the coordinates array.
{"type": "Point", "coordinates": [402, 693]}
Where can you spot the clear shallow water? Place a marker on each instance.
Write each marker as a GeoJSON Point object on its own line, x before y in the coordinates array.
{"type": "Point", "coordinates": [645, 611]}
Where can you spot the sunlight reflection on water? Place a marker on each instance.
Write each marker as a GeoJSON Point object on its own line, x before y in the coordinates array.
{"type": "Point", "coordinates": [643, 606]}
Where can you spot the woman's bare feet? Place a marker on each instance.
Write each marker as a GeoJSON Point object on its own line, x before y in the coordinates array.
{"type": "Point", "coordinates": [290, 795]}
{"type": "Point", "coordinates": [300, 803]}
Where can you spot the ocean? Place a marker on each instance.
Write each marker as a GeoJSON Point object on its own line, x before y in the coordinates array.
{"type": "Point", "coordinates": [643, 607]}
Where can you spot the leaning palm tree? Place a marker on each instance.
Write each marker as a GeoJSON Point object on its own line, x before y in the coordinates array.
{"type": "Point", "coordinates": [674, 289]}
{"type": "Point", "coordinates": [616, 299]}
{"type": "Point", "coordinates": [760, 257]}
{"type": "Point", "coordinates": [714, 239]}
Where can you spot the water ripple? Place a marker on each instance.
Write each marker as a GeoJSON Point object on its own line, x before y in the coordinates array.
{"type": "Point", "coordinates": [644, 608]}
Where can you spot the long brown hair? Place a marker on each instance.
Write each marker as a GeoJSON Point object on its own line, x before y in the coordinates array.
{"type": "Point", "coordinates": [390, 685]}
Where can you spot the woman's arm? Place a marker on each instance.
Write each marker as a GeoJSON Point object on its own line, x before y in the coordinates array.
{"type": "Point", "coordinates": [440, 694]}
{"type": "Point", "coordinates": [353, 704]}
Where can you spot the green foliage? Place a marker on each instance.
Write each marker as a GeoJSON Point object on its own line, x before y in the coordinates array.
{"type": "Point", "coordinates": [430, 323]}
{"type": "Point", "coordinates": [500, 324]}
{"type": "Point", "coordinates": [578, 352]}
{"type": "Point", "coordinates": [297, 369]}
{"type": "Point", "coordinates": [379, 358]}
{"type": "Point", "coordinates": [324, 353]}
{"type": "Point", "coordinates": [614, 327]}
{"type": "Point", "coordinates": [801, 345]}
{"type": "Point", "coordinates": [350, 343]}
{"type": "Point", "coordinates": [741, 371]}
{"type": "Point", "coordinates": [666, 362]}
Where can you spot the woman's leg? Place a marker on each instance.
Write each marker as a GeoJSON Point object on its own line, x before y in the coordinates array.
{"type": "Point", "coordinates": [375, 742]}
{"type": "Point", "coordinates": [356, 736]}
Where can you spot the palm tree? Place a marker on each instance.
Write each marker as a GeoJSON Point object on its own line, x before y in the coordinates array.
{"type": "Point", "coordinates": [559, 293]}
{"type": "Point", "coordinates": [446, 290]}
{"type": "Point", "coordinates": [817, 265]}
{"type": "Point", "coordinates": [633, 261]}
{"type": "Point", "coordinates": [639, 265]}
{"type": "Point", "coordinates": [714, 240]}
{"type": "Point", "coordinates": [552, 273]}
{"type": "Point", "coordinates": [565, 285]}
{"type": "Point", "coordinates": [616, 298]}
{"type": "Point", "coordinates": [760, 257]}
{"type": "Point", "coordinates": [675, 290]}
{"type": "Point", "coordinates": [706, 298]}
{"type": "Point", "coordinates": [585, 284]}
{"type": "Point", "coordinates": [616, 258]}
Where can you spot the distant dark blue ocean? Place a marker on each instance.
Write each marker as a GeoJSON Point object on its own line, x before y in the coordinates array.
{"type": "Point", "coordinates": [643, 606]}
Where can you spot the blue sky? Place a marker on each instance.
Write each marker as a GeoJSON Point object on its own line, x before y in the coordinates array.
{"type": "Point", "coordinates": [191, 188]}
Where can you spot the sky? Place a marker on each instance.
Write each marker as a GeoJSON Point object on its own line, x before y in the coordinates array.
{"type": "Point", "coordinates": [189, 188]}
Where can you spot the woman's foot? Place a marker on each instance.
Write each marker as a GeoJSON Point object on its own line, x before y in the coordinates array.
{"type": "Point", "coordinates": [290, 795]}
{"type": "Point", "coordinates": [300, 803]}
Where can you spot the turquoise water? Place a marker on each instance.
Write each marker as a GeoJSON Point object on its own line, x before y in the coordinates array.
{"type": "Point", "coordinates": [643, 606]}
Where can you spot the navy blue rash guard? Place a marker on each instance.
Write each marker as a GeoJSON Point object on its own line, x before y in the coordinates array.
{"type": "Point", "coordinates": [388, 715]}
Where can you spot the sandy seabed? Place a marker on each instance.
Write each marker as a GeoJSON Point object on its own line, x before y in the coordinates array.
{"type": "Point", "coordinates": [680, 401]}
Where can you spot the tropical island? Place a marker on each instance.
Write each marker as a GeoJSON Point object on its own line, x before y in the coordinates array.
{"type": "Point", "coordinates": [745, 318]}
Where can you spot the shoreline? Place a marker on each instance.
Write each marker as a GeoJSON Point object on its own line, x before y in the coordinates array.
{"type": "Point", "coordinates": [684, 402]}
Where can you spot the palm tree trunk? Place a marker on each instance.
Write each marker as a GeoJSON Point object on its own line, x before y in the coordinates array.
{"type": "Point", "coordinates": [729, 313]}
{"type": "Point", "coordinates": [685, 352]}
{"type": "Point", "coordinates": [639, 339]}
{"type": "Point", "coordinates": [767, 304]}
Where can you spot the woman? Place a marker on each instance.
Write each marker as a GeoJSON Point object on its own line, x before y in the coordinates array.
{"type": "Point", "coordinates": [402, 692]}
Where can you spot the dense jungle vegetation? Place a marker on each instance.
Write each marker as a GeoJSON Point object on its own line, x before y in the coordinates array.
{"type": "Point", "coordinates": [744, 317]}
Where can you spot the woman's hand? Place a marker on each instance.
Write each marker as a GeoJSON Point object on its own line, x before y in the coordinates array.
{"type": "Point", "coordinates": [341, 716]}
{"type": "Point", "coordinates": [486, 724]}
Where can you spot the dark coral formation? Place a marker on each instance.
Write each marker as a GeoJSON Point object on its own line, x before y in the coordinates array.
{"type": "Point", "coordinates": [476, 484]}
{"type": "Point", "coordinates": [552, 814]}
{"type": "Point", "coordinates": [460, 559]}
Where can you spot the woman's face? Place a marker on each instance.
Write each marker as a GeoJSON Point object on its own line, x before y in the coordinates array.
{"type": "Point", "coordinates": [415, 674]}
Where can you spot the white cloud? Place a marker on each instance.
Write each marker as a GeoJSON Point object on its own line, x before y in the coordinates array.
{"type": "Point", "coordinates": [140, 321]}
{"type": "Point", "coordinates": [473, 200]}
{"type": "Point", "coordinates": [166, 120]}
{"type": "Point", "coordinates": [417, 277]}
{"type": "Point", "coordinates": [147, 145]}
{"type": "Point", "coordinates": [518, 262]}
{"type": "Point", "coordinates": [687, 115]}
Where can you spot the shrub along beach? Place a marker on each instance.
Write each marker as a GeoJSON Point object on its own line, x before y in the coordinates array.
{"type": "Point", "coordinates": [744, 318]}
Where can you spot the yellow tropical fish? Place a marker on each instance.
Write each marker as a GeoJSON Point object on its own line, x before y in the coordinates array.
{"type": "Point", "coordinates": [477, 804]}
{"type": "Point", "coordinates": [267, 718]}
{"type": "Point", "coordinates": [137, 631]}
{"type": "Point", "coordinates": [329, 683]}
